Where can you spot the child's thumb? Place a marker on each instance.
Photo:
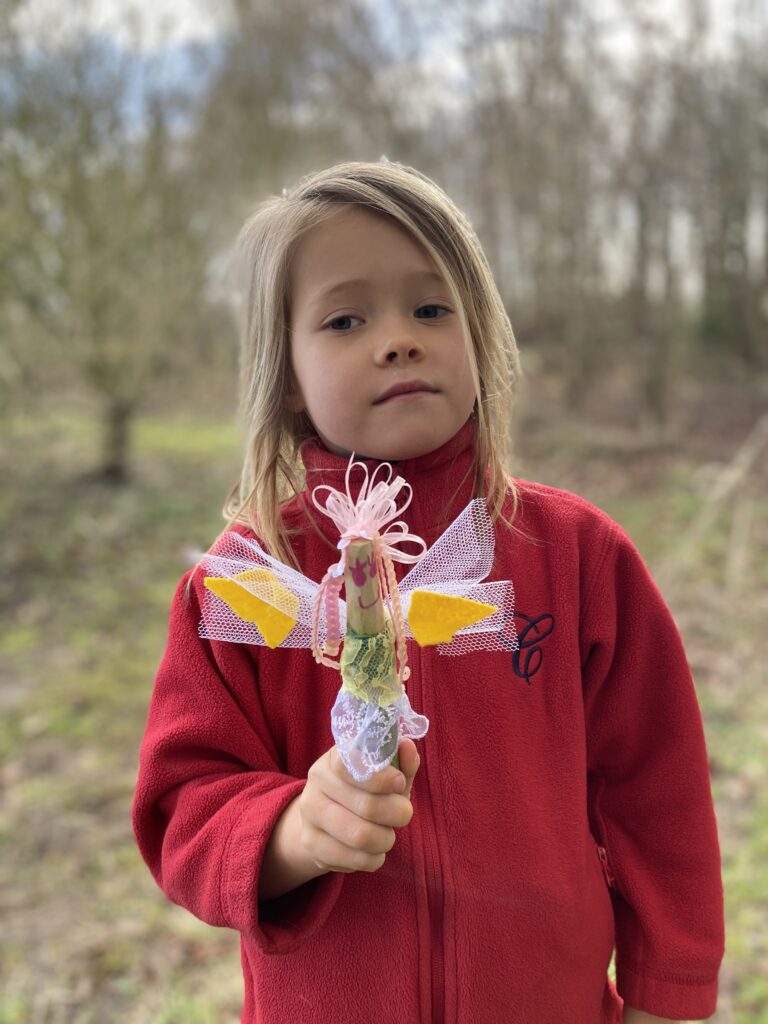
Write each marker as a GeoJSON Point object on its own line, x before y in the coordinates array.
{"type": "Point", "coordinates": [409, 763]}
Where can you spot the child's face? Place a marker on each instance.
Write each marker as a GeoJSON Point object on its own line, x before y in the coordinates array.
{"type": "Point", "coordinates": [389, 321]}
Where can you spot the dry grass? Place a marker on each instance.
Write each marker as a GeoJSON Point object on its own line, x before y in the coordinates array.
{"type": "Point", "coordinates": [87, 575]}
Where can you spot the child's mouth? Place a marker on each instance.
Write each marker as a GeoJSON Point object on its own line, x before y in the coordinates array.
{"type": "Point", "coordinates": [406, 390]}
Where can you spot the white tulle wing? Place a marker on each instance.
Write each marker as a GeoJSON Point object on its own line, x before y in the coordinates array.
{"type": "Point", "coordinates": [456, 565]}
{"type": "Point", "coordinates": [294, 593]}
{"type": "Point", "coordinates": [462, 555]}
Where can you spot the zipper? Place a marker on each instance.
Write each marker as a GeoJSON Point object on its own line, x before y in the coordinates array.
{"type": "Point", "coordinates": [435, 903]}
{"type": "Point", "coordinates": [606, 864]}
{"type": "Point", "coordinates": [435, 895]}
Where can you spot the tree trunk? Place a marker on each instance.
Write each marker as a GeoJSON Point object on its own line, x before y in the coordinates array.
{"type": "Point", "coordinates": [116, 441]}
{"type": "Point", "coordinates": [658, 376]}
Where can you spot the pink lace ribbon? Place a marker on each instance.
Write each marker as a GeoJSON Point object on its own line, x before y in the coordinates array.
{"type": "Point", "coordinates": [375, 507]}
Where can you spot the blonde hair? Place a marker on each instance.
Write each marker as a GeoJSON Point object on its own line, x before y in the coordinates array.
{"type": "Point", "coordinates": [272, 472]}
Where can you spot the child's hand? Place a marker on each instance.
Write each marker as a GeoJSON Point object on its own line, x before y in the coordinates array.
{"type": "Point", "coordinates": [347, 825]}
{"type": "Point", "coordinates": [337, 824]}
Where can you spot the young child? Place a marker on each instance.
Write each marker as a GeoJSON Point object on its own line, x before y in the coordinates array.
{"type": "Point", "coordinates": [559, 804]}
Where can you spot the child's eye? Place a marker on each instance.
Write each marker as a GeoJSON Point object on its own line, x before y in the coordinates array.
{"type": "Point", "coordinates": [341, 323]}
{"type": "Point", "coordinates": [433, 311]}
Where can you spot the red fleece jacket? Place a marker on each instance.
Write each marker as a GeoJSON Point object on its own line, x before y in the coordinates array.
{"type": "Point", "coordinates": [562, 805]}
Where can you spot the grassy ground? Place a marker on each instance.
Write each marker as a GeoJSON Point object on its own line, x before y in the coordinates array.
{"type": "Point", "coordinates": [87, 576]}
{"type": "Point", "coordinates": [90, 573]}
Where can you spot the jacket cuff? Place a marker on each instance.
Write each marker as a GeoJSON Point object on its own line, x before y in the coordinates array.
{"type": "Point", "coordinates": [283, 924]}
{"type": "Point", "coordinates": [677, 998]}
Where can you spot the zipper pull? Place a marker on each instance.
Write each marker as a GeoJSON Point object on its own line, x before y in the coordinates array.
{"type": "Point", "coordinates": [606, 867]}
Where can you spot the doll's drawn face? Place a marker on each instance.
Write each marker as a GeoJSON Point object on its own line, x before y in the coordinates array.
{"type": "Point", "coordinates": [365, 576]}
{"type": "Point", "coordinates": [369, 313]}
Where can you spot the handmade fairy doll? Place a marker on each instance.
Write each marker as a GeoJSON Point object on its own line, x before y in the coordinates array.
{"type": "Point", "coordinates": [254, 598]}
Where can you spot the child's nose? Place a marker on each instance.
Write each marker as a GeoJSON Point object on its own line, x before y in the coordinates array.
{"type": "Point", "coordinates": [399, 347]}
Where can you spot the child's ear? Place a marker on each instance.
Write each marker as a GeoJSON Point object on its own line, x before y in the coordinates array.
{"type": "Point", "coordinates": [294, 402]}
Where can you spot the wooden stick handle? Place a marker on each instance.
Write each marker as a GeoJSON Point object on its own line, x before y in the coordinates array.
{"type": "Point", "coordinates": [365, 609]}
{"type": "Point", "coordinates": [366, 614]}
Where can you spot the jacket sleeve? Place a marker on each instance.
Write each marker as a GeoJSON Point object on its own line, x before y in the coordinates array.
{"type": "Point", "coordinates": [649, 793]}
{"type": "Point", "coordinates": [210, 789]}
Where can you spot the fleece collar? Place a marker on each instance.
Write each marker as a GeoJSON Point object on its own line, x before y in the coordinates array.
{"type": "Point", "coordinates": [442, 480]}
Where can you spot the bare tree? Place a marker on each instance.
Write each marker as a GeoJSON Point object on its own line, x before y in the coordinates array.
{"type": "Point", "coordinates": [532, 135]}
{"type": "Point", "coordinates": [297, 85]}
{"type": "Point", "coordinates": [104, 264]}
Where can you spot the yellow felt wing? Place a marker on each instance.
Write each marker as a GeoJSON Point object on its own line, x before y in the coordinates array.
{"type": "Point", "coordinates": [434, 618]}
{"type": "Point", "coordinates": [274, 613]}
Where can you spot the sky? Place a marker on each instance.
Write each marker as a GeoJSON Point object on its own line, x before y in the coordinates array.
{"type": "Point", "coordinates": [164, 26]}
{"type": "Point", "coordinates": [174, 22]}
{"type": "Point", "coordinates": [160, 22]}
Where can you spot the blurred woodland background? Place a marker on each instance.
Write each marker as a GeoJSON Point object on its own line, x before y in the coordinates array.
{"type": "Point", "coordinates": [613, 158]}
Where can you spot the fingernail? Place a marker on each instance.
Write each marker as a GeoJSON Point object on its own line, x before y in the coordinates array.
{"type": "Point", "coordinates": [400, 783]}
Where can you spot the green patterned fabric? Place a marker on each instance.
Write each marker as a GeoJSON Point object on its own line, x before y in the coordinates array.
{"type": "Point", "coordinates": [368, 668]}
